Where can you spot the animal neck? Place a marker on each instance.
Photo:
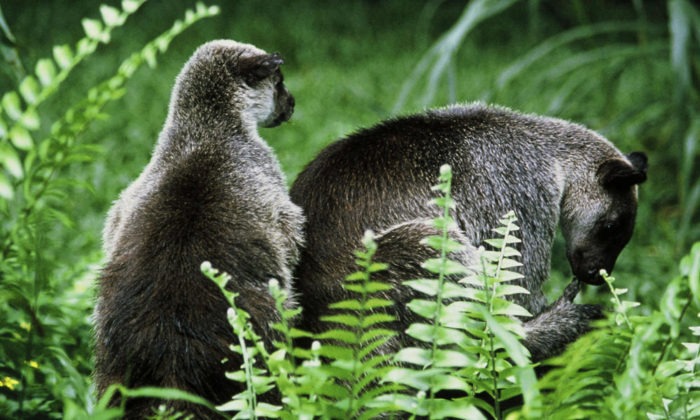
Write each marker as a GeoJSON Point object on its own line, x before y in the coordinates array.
{"type": "Point", "coordinates": [213, 109]}
{"type": "Point", "coordinates": [187, 128]}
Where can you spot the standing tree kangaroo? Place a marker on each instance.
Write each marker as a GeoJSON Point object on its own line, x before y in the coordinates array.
{"type": "Point", "coordinates": [212, 191]}
{"type": "Point", "coordinates": [550, 172]}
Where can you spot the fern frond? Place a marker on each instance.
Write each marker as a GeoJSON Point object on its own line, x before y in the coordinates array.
{"type": "Point", "coordinates": [471, 331]}
{"type": "Point", "coordinates": [353, 345]}
{"type": "Point", "coordinates": [257, 380]}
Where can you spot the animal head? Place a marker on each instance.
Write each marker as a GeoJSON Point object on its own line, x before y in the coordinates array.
{"type": "Point", "coordinates": [598, 214]}
{"type": "Point", "coordinates": [237, 79]}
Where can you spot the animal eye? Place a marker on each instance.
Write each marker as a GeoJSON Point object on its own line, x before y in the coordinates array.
{"type": "Point", "coordinates": [612, 225]}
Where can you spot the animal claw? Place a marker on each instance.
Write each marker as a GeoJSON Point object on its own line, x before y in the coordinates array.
{"type": "Point", "coordinates": [572, 290]}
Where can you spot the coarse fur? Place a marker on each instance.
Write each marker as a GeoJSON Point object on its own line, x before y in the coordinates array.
{"type": "Point", "coordinates": [213, 191]}
{"type": "Point", "coordinates": [550, 172]}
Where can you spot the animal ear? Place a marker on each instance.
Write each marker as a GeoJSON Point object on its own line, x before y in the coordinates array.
{"type": "Point", "coordinates": [260, 67]}
{"type": "Point", "coordinates": [639, 161]}
{"type": "Point", "coordinates": [620, 174]}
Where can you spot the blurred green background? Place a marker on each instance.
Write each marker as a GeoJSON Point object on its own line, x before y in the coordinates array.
{"type": "Point", "coordinates": [610, 65]}
{"type": "Point", "coordinates": [627, 69]}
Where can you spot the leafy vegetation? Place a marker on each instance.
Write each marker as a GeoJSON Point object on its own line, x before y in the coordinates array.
{"type": "Point", "coordinates": [634, 365]}
{"type": "Point", "coordinates": [45, 334]}
{"type": "Point", "coordinates": [470, 338]}
{"type": "Point", "coordinates": [629, 367]}
{"type": "Point", "coordinates": [471, 334]}
{"type": "Point", "coordinates": [78, 120]}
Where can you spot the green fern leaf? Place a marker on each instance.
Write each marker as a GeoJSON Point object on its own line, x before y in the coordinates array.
{"type": "Point", "coordinates": [447, 267]}
{"type": "Point", "coordinates": [29, 89]}
{"type": "Point", "coordinates": [374, 319]}
{"type": "Point", "coordinates": [21, 138]}
{"type": "Point", "coordinates": [111, 16]}
{"type": "Point", "coordinates": [439, 243]}
{"type": "Point", "coordinates": [344, 319]}
{"type": "Point", "coordinates": [430, 287]}
{"type": "Point", "coordinates": [11, 105]}
{"type": "Point", "coordinates": [369, 287]}
{"type": "Point", "coordinates": [376, 333]}
{"type": "Point", "coordinates": [337, 334]}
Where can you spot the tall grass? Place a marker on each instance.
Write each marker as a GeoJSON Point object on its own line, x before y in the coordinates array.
{"type": "Point", "coordinates": [438, 62]}
{"type": "Point", "coordinates": [591, 68]}
{"type": "Point", "coordinates": [684, 28]}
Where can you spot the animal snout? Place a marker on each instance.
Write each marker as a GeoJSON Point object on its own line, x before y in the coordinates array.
{"type": "Point", "coordinates": [287, 107]}
{"type": "Point", "coordinates": [587, 267]}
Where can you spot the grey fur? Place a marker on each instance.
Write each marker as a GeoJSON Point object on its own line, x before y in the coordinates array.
{"type": "Point", "coordinates": [545, 169]}
{"type": "Point", "coordinates": [214, 191]}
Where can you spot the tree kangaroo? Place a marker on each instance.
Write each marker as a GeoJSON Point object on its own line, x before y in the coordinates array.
{"type": "Point", "coordinates": [550, 172]}
{"type": "Point", "coordinates": [212, 191]}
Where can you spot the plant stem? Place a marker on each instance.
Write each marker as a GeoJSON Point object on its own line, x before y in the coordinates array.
{"type": "Point", "coordinates": [248, 372]}
{"type": "Point", "coordinates": [669, 339]}
{"type": "Point", "coordinates": [441, 275]}
{"type": "Point", "coordinates": [357, 330]}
